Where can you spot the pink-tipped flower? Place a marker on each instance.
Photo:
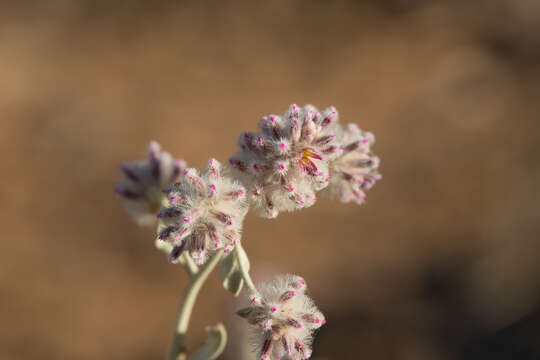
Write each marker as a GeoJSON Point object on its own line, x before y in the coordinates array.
{"type": "Point", "coordinates": [355, 170]}
{"type": "Point", "coordinates": [205, 213]}
{"type": "Point", "coordinates": [291, 151]}
{"type": "Point", "coordinates": [284, 318]}
{"type": "Point", "coordinates": [143, 181]}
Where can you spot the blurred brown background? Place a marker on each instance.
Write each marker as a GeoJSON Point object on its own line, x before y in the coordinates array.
{"type": "Point", "coordinates": [441, 263]}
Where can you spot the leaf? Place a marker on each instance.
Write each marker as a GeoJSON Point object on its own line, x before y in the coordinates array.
{"type": "Point", "coordinates": [230, 272]}
{"type": "Point", "coordinates": [214, 345]}
{"type": "Point", "coordinates": [242, 257]}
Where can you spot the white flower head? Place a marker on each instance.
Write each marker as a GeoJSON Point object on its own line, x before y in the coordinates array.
{"type": "Point", "coordinates": [284, 318]}
{"type": "Point", "coordinates": [355, 170]}
{"type": "Point", "coordinates": [286, 162]}
{"type": "Point", "coordinates": [143, 182]}
{"type": "Point", "coordinates": [205, 213]}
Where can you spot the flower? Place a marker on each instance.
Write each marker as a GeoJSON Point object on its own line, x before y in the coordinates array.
{"type": "Point", "coordinates": [355, 170]}
{"type": "Point", "coordinates": [286, 162]}
{"type": "Point", "coordinates": [143, 182]}
{"type": "Point", "coordinates": [284, 318]}
{"type": "Point", "coordinates": [205, 213]}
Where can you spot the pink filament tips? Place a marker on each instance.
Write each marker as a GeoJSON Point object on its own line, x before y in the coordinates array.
{"type": "Point", "coordinates": [186, 219]}
{"type": "Point", "coordinates": [290, 189]}
{"type": "Point", "coordinates": [282, 167]}
{"type": "Point", "coordinates": [266, 325]}
{"type": "Point", "coordinates": [282, 146]}
{"type": "Point", "coordinates": [255, 300]}
{"type": "Point", "coordinates": [186, 172]}
{"type": "Point", "coordinates": [229, 222]}
{"type": "Point", "coordinates": [273, 309]}
{"type": "Point", "coordinates": [213, 187]}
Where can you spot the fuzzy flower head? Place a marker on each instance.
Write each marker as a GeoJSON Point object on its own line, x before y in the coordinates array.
{"type": "Point", "coordinates": [286, 161]}
{"type": "Point", "coordinates": [355, 170]}
{"type": "Point", "coordinates": [205, 213]}
{"type": "Point", "coordinates": [284, 318]}
{"type": "Point", "coordinates": [143, 182]}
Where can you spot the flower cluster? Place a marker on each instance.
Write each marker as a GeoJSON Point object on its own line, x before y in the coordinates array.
{"type": "Point", "coordinates": [286, 317]}
{"type": "Point", "coordinates": [287, 161]}
{"type": "Point", "coordinates": [144, 180]}
{"type": "Point", "coordinates": [355, 170]}
{"type": "Point", "coordinates": [281, 167]}
{"type": "Point", "coordinates": [204, 214]}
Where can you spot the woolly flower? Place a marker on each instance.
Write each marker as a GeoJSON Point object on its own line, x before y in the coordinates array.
{"type": "Point", "coordinates": [143, 182]}
{"type": "Point", "coordinates": [285, 318]}
{"type": "Point", "coordinates": [205, 213]}
{"type": "Point", "coordinates": [286, 162]}
{"type": "Point", "coordinates": [355, 170]}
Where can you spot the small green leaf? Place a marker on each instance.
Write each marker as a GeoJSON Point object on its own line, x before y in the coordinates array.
{"type": "Point", "coordinates": [215, 343]}
{"type": "Point", "coordinates": [230, 272]}
{"type": "Point", "coordinates": [242, 257]}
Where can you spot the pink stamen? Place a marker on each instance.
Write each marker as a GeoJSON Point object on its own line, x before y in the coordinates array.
{"type": "Point", "coordinates": [213, 187]}
{"type": "Point", "coordinates": [273, 309]}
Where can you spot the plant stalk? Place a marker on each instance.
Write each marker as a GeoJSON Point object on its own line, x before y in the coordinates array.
{"type": "Point", "coordinates": [178, 350]}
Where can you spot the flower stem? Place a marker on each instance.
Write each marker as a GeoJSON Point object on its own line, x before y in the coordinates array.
{"type": "Point", "coordinates": [178, 348]}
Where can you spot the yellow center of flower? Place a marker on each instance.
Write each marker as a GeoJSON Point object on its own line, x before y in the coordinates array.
{"type": "Point", "coordinates": [306, 154]}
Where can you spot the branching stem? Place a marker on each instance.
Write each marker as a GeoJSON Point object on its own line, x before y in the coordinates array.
{"type": "Point", "coordinates": [197, 278]}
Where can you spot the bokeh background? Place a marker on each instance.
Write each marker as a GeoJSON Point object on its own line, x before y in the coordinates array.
{"type": "Point", "coordinates": [442, 262]}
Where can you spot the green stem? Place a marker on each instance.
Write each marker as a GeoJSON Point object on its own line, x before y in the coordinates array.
{"type": "Point", "coordinates": [190, 265]}
{"type": "Point", "coordinates": [178, 348]}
